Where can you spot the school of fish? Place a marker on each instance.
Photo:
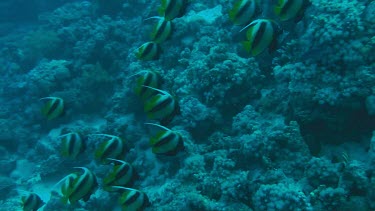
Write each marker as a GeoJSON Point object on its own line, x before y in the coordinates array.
{"type": "Point", "coordinates": [159, 105]}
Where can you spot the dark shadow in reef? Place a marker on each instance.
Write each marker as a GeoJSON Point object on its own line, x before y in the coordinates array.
{"type": "Point", "coordinates": [335, 125]}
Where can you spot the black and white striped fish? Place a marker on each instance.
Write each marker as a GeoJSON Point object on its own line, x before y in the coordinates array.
{"type": "Point", "coordinates": [148, 51]}
{"type": "Point", "coordinates": [171, 9]}
{"type": "Point", "coordinates": [72, 145]}
{"type": "Point", "coordinates": [148, 78]}
{"type": "Point", "coordinates": [122, 174]}
{"type": "Point", "coordinates": [243, 11]}
{"type": "Point", "coordinates": [162, 106]}
{"type": "Point", "coordinates": [31, 202]}
{"type": "Point", "coordinates": [166, 141]}
{"type": "Point", "coordinates": [132, 199]}
{"type": "Point", "coordinates": [161, 31]}
{"type": "Point", "coordinates": [53, 108]}
{"type": "Point", "coordinates": [291, 9]}
{"type": "Point", "coordinates": [262, 34]}
{"type": "Point", "coordinates": [81, 186]}
{"type": "Point", "coordinates": [112, 147]}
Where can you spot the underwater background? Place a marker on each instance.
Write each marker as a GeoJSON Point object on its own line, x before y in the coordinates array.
{"type": "Point", "coordinates": [291, 128]}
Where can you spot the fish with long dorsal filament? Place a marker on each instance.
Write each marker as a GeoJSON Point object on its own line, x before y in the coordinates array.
{"type": "Point", "coordinates": [166, 141]}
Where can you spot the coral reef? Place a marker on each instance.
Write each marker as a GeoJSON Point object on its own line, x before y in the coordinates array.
{"type": "Point", "coordinates": [291, 129]}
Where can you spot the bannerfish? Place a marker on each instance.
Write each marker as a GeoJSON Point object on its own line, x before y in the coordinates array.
{"type": "Point", "coordinates": [148, 51]}
{"type": "Point", "coordinates": [79, 186]}
{"type": "Point", "coordinates": [291, 9]}
{"type": "Point", "coordinates": [72, 145]}
{"type": "Point", "coordinates": [262, 34]}
{"type": "Point", "coordinates": [148, 78]}
{"type": "Point", "coordinates": [166, 141]}
{"type": "Point", "coordinates": [112, 147]}
{"type": "Point", "coordinates": [53, 108]}
{"type": "Point", "coordinates": [162, 106]}
{"type": "Point", "coordinates": [122, 174]}
{"type": "Point", "coordinates": [31, 202]}
{"type": "Point", "coordinates": [161, 31]}
{"type": "Point", "coordinates": [171, 9]}
{"type": "Point", "coordinates": [243, 11]}
{"type": "Point", "coordinates": [132, 199]}
{"type": "Point", "coordinates": [67, 186]}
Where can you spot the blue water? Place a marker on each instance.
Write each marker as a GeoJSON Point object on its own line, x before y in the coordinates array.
{"type": "Point", "coordinates": [290, 128]}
